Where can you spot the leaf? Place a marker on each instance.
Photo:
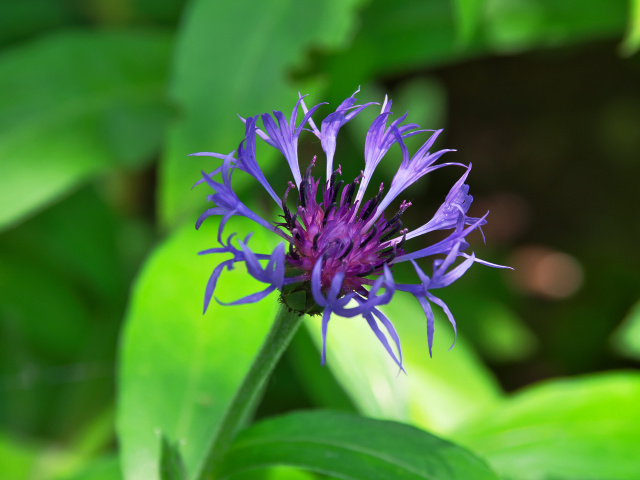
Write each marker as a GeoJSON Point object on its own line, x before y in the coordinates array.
{"type": "Point", "coordinates": [468, 18]}
{"type": "Point", "coordinates": [626, 338]}
{"type": "Point", "coordinates": [235, 58]}
{"type": "Point", "coordinates": [37, 461]}
{"type": "Point", "coordinates": [414, 34]}
{"type": "Point", "coordinates": [631, 42]}
{"type": "Point", "coordinates": [178, 368]}
{"type": "Point", "coordinates": [434, 394]}
{"type": "Point", "coordinates": [520, 25]}
{"type": "Point", "coordinates": [171, 463]}
{"type": "Point", "coordinates": [274, 473]}
{"type": "Point", "coordinates": [103, 468]}
{"type": "Point", "coordinates": [498, 333]}
{"type": "Point", "coordinates": [18, 459]}
{"type": "Point", "coordinates": [584, 428]}
{"type": "Point", "coordinates": [350, 447]}
{"type": "Point", "coordinates": [73, 104]}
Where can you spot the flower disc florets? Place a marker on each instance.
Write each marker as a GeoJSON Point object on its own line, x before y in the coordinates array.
{"type": "Point", "coordinates": [335, 231]}
{"type": "Point", "coordinates": [341, 249]}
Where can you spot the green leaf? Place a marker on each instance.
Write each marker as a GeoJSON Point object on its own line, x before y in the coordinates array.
{"type": "Point", "coordinates": [178, 368]}
{"type": "Point", "coordinates": [626, 338]}
{"type": "Point", "coordinates": [103, 468]}
{"type": "Point", "coordinates": [468, 18]}
{"type": "Point", "coordinates": [37, 461]}
{"type": "Point", "coordinates": [350, 447]}
{"type": "Point", "coordinates": [584, 428]}
{"type": "Point", "coordinates": [434, 393]}
{"type": "Point", "coordinates": [274, 473]}
{"type": "Point", "coordinates": [407, 36]}
{"type": "Point", "coordinates": [73, 105]}
{"type": "Point", "coordinates": [235, 58]}
{"type": "Point", "coordinates": [18, 459]}
{"type": "Point", "coordinates": [631, 42]}
{"type": "Point", "coordinates": [520, 25]}
{"type": "Point", "coordinates": [171, 463]}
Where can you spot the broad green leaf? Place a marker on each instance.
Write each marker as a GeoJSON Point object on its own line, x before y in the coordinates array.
{"type": "Point", "coordinates": [468, 18]}
{"type": "Point", "coordinates": [178, 368]}
{"type": "Point", "coordinates": [349, 447]}
{"type": "Point", "coordinates": [436, 393]}
{"type": "Point", "coordinates": [631, 42]}
{"type": "Point", "coordinates": [235, 58]}
{"type": "Point", "coordinates": [584, 428]}
{"type": "Point", "coordinates": [626, 338]}
{"type": "Point", "coordinates": [73, 104]}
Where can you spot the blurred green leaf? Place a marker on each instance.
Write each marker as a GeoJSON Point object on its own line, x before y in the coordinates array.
{"type": "Point", "coordinates": [274, 473]}
{"type": "Point", "coordinates": [171, 464]}
{"type": "Point", "coordinates": [318, 381]}
{"type": "Point", "coordinates": [234, 58]}
{"type": "Point", "coordinates": [22, 18]}
{"type": "Point", "coordinates": [89, 255]}
{"type": "Point", "coordinates": [351, 447]}
{"type": "Point", "coordinates": [435, 392]}
{"type": "Point", "coordinates": [517, 25]}
{"type": "Point", "coordinates": [468, 17]}
{"type": "Point", "coordinates": [178, 368]}
{"type": "Point", "coordinates": [584, 428]}
{"type": "Point", "coordinates": [73, 104]}
{"type": "Point", "coordinates": [16, 458]}
{"type": "Point", "coordinates": [103, 468]}
{"type": "Point", "coordinates": [631, 42]}
{"type": "Point", "coordinates": [498, 333]}
{"type": "Point", "coordinates": [626, 338]}
{"type": "Point", "coordinates": [62, 295]}
{"type": "Point", "coordinates": [410, 35]}
{"type": "Point", "coordinates": [23, 460]}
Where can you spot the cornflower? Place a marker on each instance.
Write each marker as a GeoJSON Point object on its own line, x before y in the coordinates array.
{"type": "Point", "coordinates": [338, 254]}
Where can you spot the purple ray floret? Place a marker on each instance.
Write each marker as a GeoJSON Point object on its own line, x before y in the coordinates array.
{"type": "Point", "coordinates": [339, 249]}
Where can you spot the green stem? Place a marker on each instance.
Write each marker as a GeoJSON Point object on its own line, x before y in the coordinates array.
{"type": "Point", "coordinates": [247, 395]}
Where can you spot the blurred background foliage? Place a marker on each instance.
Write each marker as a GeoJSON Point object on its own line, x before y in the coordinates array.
{"type": "Point", "coordinates": [101, 101]}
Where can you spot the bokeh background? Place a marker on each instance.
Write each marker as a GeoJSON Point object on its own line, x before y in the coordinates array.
{"type": "Point", "coordinates": [101, 101]}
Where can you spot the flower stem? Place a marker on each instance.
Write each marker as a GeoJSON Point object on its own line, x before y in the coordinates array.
{"type": "Point", "coordinates": [243, 403]}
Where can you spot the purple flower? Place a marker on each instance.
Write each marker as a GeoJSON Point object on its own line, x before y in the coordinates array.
{"type": "Point", "coordinates": [339, 249]}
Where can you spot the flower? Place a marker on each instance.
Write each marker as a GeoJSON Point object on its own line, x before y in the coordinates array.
{"type": "Point", "coordinates": [340, 251]}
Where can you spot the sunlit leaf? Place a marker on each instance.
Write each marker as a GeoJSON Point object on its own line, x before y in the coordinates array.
{"type": "Point", "coordinates": [17, 459]}
{"type": "Point", "coordinates": [103, 468]}
{"type": "Point", "coordinates": [350, 447]}
{"type": "Point", "coordinates": [435, 393]}
{"type": "Point", "coordinates": [584, 428]}
{"type": "Point", "coordinates": [626, 339]}
{"type": "Point", "coordinates": [72, 105]}
{"type": "Point", "coordinates": [222, 71]}
{"type": "Point", "coordinates": [632, 39]}
{"type": "Point", "coordinates": [179, 368]}
{"type": "Point", "coordinates": [273, 473]}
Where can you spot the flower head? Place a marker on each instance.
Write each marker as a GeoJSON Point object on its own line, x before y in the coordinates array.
{"type": "Point", "coordinates": [339, 249]}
